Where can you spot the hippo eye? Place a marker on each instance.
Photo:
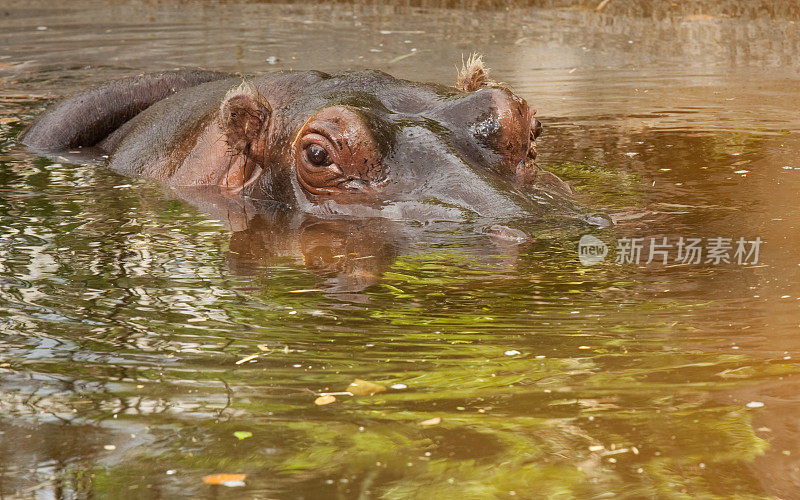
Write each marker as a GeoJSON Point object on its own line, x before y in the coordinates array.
{"type": "Point", "coordinates": [317, 155]}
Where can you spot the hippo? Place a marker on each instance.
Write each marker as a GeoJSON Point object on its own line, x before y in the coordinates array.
{"type": "Point", "coordinates": [356, 143]}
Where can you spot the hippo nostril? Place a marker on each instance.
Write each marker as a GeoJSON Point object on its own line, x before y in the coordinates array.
{"type": "Point", "coordinates": [536, 128]}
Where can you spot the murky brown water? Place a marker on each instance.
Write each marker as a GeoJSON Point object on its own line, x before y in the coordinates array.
{"type": "Point", "coordinates": [123, 311]}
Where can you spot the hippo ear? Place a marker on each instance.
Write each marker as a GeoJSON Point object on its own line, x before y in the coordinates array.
{"type": "Point", "coordinates": [473, 74]}
{"type": "Point", "coordinates": [243, 114]}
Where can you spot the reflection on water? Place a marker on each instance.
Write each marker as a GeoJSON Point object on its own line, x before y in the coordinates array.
{"type": "Point", "coordinates": [124, 311]}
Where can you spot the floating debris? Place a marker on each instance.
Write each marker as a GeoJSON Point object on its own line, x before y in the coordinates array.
{"type": "Point", "coordinates": [400, 58]}
{"type": "Point", "coordinates": [431, 421]}
{"type": "Point", "coordinates": [401, 32]}
{"type": "Point", "coordinates": [325, 400]}
{"type": "Point", "coordinates": [229, 480]}
{"type": "Point", "coordinates": [363, 388]}
{"type": "Point", "coordinates": [247, 358]}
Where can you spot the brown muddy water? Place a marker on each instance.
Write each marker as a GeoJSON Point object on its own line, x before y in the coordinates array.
{"type": "Point", "coordinates": [124, 311]}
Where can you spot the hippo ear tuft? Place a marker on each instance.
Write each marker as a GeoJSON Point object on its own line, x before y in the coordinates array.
{"type": "Point", "coordinates": [243, 114]}
{"type": "Point", "coordinates": [473, 74]}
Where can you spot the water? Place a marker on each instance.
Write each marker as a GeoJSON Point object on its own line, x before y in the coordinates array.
{"type": "Point", "coordinates": [124, 310]}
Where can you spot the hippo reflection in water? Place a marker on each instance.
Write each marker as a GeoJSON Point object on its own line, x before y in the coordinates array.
{"type": "Point", "coordinates": [358, 144]}
{"type": "Point", "coordinates": [346, 254]}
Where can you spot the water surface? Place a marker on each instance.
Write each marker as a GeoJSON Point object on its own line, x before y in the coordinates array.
{"type": "Point", "coordinates": [124, 310]}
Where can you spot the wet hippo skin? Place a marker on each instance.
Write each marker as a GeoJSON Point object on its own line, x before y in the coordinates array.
{"type": "Point", "coordinates": [357, 143]}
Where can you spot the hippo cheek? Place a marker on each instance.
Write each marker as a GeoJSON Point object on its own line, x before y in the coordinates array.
{"type": "Point", "coordinates": [275, 185]}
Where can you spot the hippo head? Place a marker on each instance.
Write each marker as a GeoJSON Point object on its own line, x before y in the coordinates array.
{"type": "Point", "coordinates": [366, 143]}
